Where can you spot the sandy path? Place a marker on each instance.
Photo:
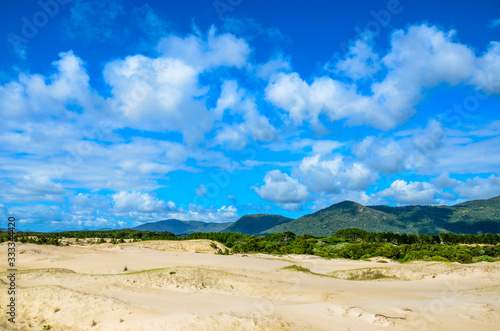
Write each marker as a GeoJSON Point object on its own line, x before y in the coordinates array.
{"type": "Point", "coordinates": [169, 287]}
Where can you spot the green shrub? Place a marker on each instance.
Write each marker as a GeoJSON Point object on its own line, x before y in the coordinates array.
{"type": "Point", "coordinates": [368, 275]}
{"type": "Point", "coordinates": [485, 258]}
{"type": "Point", "coordinates": [463, 257]}
{"type": "Point", "coordinates": [439, 259]}
{"type": "Point", "coordinates": [297, 268]}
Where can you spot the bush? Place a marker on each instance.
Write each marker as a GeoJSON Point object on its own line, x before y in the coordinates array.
{"type": "Point", "coordinates": [368, 275]}
{"type": "Point", "coordinates": [439, 258]}
{"type": "Point", "coordinates": [485, 258]}
{"type": "Point", "coordinates": [297, 268]}
{"type": "Point", "coordinates": [463, 257]}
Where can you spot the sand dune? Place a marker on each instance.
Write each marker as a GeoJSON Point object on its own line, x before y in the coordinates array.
{"type": "Point", "coordinates": [185, 286]}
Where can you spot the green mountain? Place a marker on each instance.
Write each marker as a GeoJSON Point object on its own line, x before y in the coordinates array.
{"type": "Point", "coordinates": [183, 227]}
{"type": "Point", "coordinates": [346, 214]}
{"type": "Point", "coordinates": [257, 223]}
{"type": "Point", "coordinates": [478, 216]}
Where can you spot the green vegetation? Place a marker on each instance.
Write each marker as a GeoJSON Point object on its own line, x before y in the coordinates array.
{"type": "Point", "coordinates": [117, 236]}
{"type": "Point", "coordinates": [297, 268]}
{"type": "Point", "coordinates": [359, 244]}
{"type": "Point", "coordinates": [368, 275]}
{"type": "Point", "coordinates": [474, 217]}
{"type": "Point", "coordinates": [353, 243]}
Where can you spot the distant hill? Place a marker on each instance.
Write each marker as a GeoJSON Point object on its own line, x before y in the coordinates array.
{"type": "Point", "coordinates": [346, 214]}
{"type": "Point", "coordinates": [256, 223]}
{"type": "Point", "coordinates": [182, 227]}
{"type": "Point", "coordinates": [478, 216]}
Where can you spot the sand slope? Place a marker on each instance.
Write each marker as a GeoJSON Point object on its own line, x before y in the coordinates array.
{"type": "Point", "coordinates": [170, 287]}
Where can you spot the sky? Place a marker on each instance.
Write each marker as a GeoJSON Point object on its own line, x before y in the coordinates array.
{"type": "Point", "coordinates": [117, 113]}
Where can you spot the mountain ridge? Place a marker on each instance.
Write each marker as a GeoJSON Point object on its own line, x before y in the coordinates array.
{"type": "Point", "coordinates": [182, 227]}
{"type": "Point", "coordinates": [474, 217]}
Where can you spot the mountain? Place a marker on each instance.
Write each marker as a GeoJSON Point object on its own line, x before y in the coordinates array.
{"type": "Point", "coordinates": [346, 214]}
{"type": "Point", "coordinates": [182, 227]}
{"type": "Point", "coordinates": [477, 216]}
{"type": "Point", "coordinates": [256, 223]}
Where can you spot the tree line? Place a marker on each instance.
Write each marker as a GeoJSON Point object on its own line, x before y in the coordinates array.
{"type": "Point", "coordinates": [346, 243]}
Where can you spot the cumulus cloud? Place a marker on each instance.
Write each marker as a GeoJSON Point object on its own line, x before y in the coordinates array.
{"type": "Point", "coordinates": [272, 67]}
{"type": "Point", "coordinates": [478, 188]}
{"type": "Point", "coordinates": [142, 202]}
{"type": "Point", "coordinates": [410, 192]}
{"type": "Point", "coordinates": [420, 58]}
{"type": "Point", "coordinates": [33, 188]}
{"type": "Point", "coordinates": [235, 136]}
{"type": "Point", "coordinates": [34, 95]}
{"type": "Point", "coordinates": [415, 150]}
{"type": "Point", "coordinates": [280, 187]}
{"type": "Point", "coordinates": [487, 73]}
{"type": "Point", "coordinates": [217, 50]}
{"type": "Point", "coordinates": [217, 215]}
{"type": "Point", "coordinates": [334, 175]}
{"type": "Point", "coordinates": [165, 93]}
{"type": "Point", "coordinates": [445, 181]}
{"type": "Point", "coordinates": [361, 62]}
{"type": "Point", "coordinates": [158, 94]}
{"type": "Point", "coordinates": [321, 175]}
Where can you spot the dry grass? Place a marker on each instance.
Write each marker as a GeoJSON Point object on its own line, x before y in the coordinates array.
{"type": "Point", "coordinates": [368, 275]}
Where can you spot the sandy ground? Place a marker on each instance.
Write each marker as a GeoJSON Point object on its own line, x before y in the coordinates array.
{"type": "Point", "coordinates": [185, 286]}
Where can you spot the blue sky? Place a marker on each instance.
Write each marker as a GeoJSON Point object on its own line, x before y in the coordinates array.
{"type": "Point", "coordinates": [116, 113]}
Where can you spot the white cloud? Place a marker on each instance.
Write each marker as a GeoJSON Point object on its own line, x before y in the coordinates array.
{"type": "Point", "coordinates": [305, 145]}
{"type": "Point", "coordinates": [201, 191]}
{"type": "Point", "coordinates": [254, 125]}
{"type": "Point", "coordinates": [360, 63]}
{"type": "Point", "coordinates": [215, 51]}
{"type": "Point", "coordinates": [420, 58]}
{"type": "Point", "coordinates": [321, 175]}
{"type": "Point", "coordinates": [34, 95]}
{"type": "Point", "coordinates": [272, 67]}
{"type": "Point", "coordinates": [384, 155]}
{"type": "Point", "coordinates": [410, 192]}
{"type": "Point", "coordinates": [479, 188]}
{"type": "Point", "coordinates": [137, 201]}
{"type": "Point", "coordinates": [31, 188]}
{"type": "Point", "coordinates": [418, 150]}
{"type": "Point", "coordinates": [477, 156]}
{"type": "Point", "coordinates": [158, 94]}
{"type": "Point", "coordinates": [198, 213]}
{"type": "Point", "coordinates": [325, 146]}
{"type": "Point", "coordinates": [280, 187]}
{"type": "Point", "coordinates": [487, 74]}
{"type": "Point", "coordinates": [334, 175]}
{"type": "Point", "coordinates": [445, 181]}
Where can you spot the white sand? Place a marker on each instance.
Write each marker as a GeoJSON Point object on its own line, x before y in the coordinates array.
{"type": "Point", "coordinates": [168, 286]}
